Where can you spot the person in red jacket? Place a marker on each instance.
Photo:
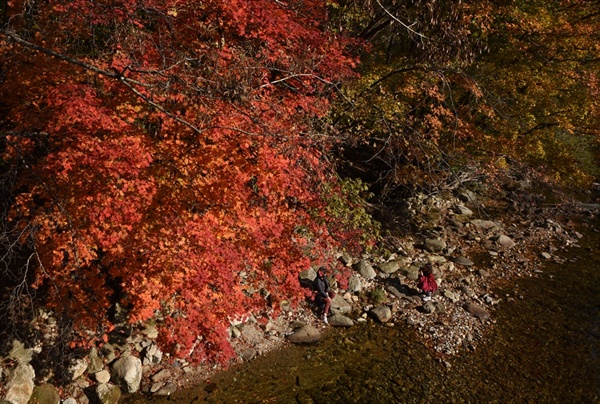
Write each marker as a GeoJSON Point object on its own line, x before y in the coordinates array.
{"type": "Point", "coordinates": [427, 281]}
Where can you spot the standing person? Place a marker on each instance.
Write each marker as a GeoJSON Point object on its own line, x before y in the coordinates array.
{"type": "Point", "coordinates": [324, 293]}
{"type": "Point", "coordinates": [427, 281]}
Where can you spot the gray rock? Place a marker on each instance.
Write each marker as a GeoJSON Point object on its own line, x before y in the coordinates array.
{"type": "Point", "coordinates": [463, 261]}
{"type": "Point", "coordinates": [45, 394]}
{"type": "Point", "coordinates": [345, 259]}
{"type": "Point", "coordinates": [435, 245]}
{"type": "Point", "coordinates": [162, 375]}
{"type": "Point", "coordinates": [108, 352]}
{"type": "Point", "coordinates": [439, 307]}
{"type": "Point", "coordinates": [102, 376]}
{"type": "Point", "coordinates": [339, 320]}
{"type": "Point", "coordinates": [248, 354]}
{"type": "Point", "coordinates": [389, 267]}
{"type": "Point", "coordinates": [19, 353]}
{"type": "Point", "coordinates": [95, 361]}
{"type": "Point", "coordinates": [108, 393]}
{"type": "Point", "coordinates": [156, 386]}
{"type": "Point", "coordinates": [69, 400]}
{"type": "Point", "coordinates": [451, 295]}
{"type": "Point", "coordinates": [429, 307]}
{"type": "Point", "coordinates": [520, 258]}
{"type": "Point", "coordinates": [126, 372]}
{"type": "Point", "coordinates": [505, 241]}
{"type": "Point", "coordinates": [485, 224]}
{"type": "Point", "coordinates": [365, 269]}
{"type": "Point", "coordinates": [234, 332]}
{"type": "Point", "coordinates": [354, 284]}
{"type": "Point", "coordinates": [20, 386]}
{"type": "Point", "coordinates": [396, 292]}
{"type": "Point", "coordinates": [483, 273]}
{"type": "Point", "coordinates": [487, 244]}
{"type": "Point", "coordinates": [467, 291]}
{"type": "Point", "coordinates": [411, 272]}
{"type": "Point", "coordinates": [477, 311]}
{"type": "Point", "coordinates": [78, 368]}
{"type": "Point", "coordinates": [304, 335]}
{"type": "Point", "coordinates": [307, 276]}
{"type": "Point", "coordinates": [152, 355]}
{"type": "Point", "coordinates": [436, 259]}
{"type": "Point", "coordinates": [339, 305]}
{"type": "Point", "coordinates": [150, 330]}
{"type": "Point", "coordinates": [383, 314]}
{"type": "Point", "coordinates": [167, 390]}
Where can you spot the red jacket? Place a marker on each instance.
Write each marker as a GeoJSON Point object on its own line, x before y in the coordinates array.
{"type": "Point", "coordinates": [427, 283]}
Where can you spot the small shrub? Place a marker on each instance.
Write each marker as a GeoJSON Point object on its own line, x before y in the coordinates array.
{"type": "Point", "coordinates": [377, 296]}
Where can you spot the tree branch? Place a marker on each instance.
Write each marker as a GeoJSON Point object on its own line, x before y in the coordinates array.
{"type": "Point", "coordinates": [128, 82]}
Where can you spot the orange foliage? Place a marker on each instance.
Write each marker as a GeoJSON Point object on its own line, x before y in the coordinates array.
{"type": "Point", "coordinates": [165, 153]}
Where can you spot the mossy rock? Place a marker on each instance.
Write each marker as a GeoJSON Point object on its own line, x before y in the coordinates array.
{"type": "Point", "coordinates": [45, 394]}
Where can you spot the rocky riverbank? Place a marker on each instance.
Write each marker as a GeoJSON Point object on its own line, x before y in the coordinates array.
{"type": "Point", "coordinates": [474, 245]}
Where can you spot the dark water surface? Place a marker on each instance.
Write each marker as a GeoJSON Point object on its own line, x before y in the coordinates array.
{"type": "Point", "coordinates": [544, 348]}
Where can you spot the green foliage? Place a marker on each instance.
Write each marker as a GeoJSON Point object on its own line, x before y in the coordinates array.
{"type": "Point", "coordinates": [377, 296]}
{"type": "Point", "coordinates": [346, 201]}
{"type": "Point", "coordinates": [469, 81]}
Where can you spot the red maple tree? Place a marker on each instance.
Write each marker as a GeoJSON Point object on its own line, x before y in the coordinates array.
{"type": "Point", "coordinates": [165, 157]}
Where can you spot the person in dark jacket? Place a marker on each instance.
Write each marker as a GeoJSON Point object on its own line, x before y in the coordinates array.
{"type": "Point", "coordinates": [324, 293]}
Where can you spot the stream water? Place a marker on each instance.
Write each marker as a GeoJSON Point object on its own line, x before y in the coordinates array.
{"type": "Point", "coordinates": [544, 348]}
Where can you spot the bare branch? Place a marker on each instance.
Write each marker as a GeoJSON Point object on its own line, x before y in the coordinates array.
{"type": "Point", "coordinates": [57, 55]}
{"type": "Point", "coordinates": [408, 27]}
{"type": "Point", "coordinates": [128, 82]}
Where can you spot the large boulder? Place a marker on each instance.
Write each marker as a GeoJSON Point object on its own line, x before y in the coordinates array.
{"type": "Point", "coordinates": [339, 320]}
{"type": "Point", "coordinates": [19, 353]}
{"type": "Point", "coordinates": [127, 373]}
{"type": "Point", "coordinates": [389, 267]}
{"type": "Point", "coordinates": [464, 261]}
{"type": "Point", "coordinates": [108, 393]}
{"type": "Point", "coordinates": [304, 335]}
{"type": "Point", "coordinates": [45, 394]}
{"type": "Point", "coordinates": [411, 272]}
{"type": "Point", "coordinates": [307, 277]}
{"type": "Point", "coordinates": [95, 363]}
{"type": "Point", "coordinates": [435, 245]}
{"type": "Point", "coordinates": [477, 311]}
{"type": "Point", "coordinates": [339, 305]}
{"type": "Point", "coordinates": [383, 314]}
{"type": "Point", "coordinates": [354, 284]}
{"type": "Point", "coordinates": [78, 368]}
{"type": "Point", "coordinates": [366, 269]}
{"type": "Point", "coordinates": [505, 241]}
{"type": "Point", "coordinates": [20, 386]}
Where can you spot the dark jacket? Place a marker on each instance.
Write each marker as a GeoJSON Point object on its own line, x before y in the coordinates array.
{"type": "Point", "coordinates": [322, 285]}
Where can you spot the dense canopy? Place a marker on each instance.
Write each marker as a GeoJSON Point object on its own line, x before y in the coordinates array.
{"type": "Point", "coordinates": [175, 158]}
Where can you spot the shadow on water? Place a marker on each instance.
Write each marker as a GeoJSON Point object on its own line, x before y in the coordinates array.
{"type": "Point", "coordinates": [544, 348]}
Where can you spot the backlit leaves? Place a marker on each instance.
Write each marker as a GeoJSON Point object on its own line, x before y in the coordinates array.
{"type": "Point", "coordinates": [170, 159]}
